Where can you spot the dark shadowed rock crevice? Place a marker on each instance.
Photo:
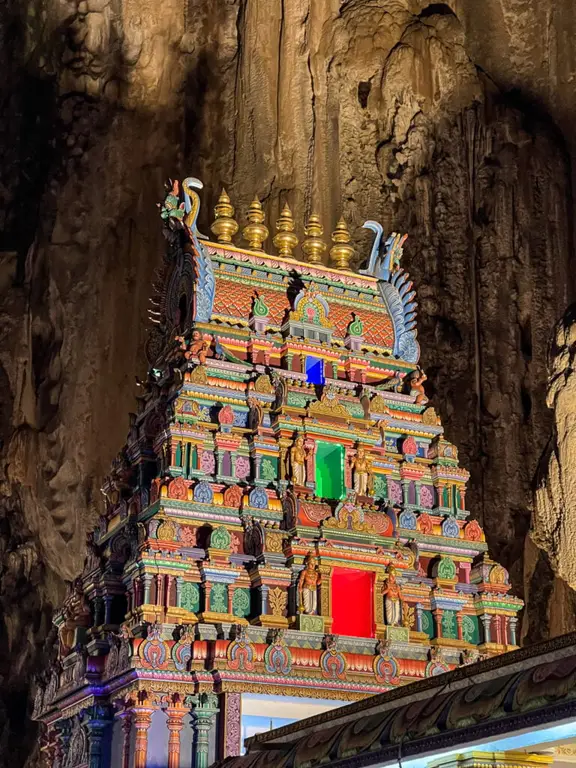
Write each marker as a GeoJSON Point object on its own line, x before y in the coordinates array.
{"type": "Point", "coordinates": [438, 119]}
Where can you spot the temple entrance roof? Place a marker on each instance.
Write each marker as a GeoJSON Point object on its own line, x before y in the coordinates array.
{"type": "Point", "coordinates": [522, 700]}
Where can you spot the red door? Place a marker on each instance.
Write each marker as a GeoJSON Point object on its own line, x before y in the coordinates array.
{"type": "Point", "coordinates": [352, 602]}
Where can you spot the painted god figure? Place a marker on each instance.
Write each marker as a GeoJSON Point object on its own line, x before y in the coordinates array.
{"type": "Point", "coordinates": [362, 466]}
{"type": "Point", "coordinates": [199, 346]}
{"type": "Point", "coordinates": [392, 600]}
{"type": "Point", "coordinates": [417, 379]}
{"type": "Point", "coordinates": [308, 587]}
{"type": "Point", "coordinates": [298, 462]}
{"type": "Point", "coordinates": [76, 613]}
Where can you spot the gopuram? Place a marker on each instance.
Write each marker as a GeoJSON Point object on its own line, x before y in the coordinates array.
{"type": "Point", "coordinates": [286, 527]}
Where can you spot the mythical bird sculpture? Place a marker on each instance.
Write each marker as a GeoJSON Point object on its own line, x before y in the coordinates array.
{"type": "Point", "coordinates": [205, 285]}
{"type": "Point", "coordinates": [396, 289]}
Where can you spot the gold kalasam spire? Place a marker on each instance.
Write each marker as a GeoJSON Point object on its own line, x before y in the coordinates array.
{"type": "Point", "coordinates": [224, 225]}
{"type": "Point", "coordinates": [256, 231]}
{"type": "Point", "coordinates": [285, 240]}
{"type": "Point", "coordinates": [313, 245]}
{"type": "Point", "coordinates": [341, 252]}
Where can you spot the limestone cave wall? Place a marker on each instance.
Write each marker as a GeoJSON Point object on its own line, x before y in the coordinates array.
{"type": "Point", "coordinates": [452, 121]}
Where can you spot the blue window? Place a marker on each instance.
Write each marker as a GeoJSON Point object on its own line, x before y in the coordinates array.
{"type": "Point", "coordinates": [315, 370]}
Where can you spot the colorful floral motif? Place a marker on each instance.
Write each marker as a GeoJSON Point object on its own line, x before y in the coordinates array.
{"type": "Point", "coordinates": [219, 598]}
{"type": "Point", "coordinates": [426, 497]}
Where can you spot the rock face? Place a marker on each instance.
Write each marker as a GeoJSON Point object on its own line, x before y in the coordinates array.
{"type": "Point", "coordinates": [550, 546]}
{"type": "Point", "coordinates": [446, 120]}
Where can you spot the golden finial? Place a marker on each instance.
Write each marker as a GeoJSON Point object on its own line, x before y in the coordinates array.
{"type": "Point", "coordinates": [224, 226]}
{"type": "Point", "coordinates": [313, 246]}
{"type": "Point", "coordinates": [341, 252]}
{"type": "Point", "coordinates": [285, 240]}
{"type": "Point", "coordinates": [256, 231]}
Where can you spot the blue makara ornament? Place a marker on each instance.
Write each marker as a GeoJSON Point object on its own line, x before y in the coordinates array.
{"type": "Point", "coordinates": [396, 289]}
{"type": "Point", "coordinates": [205, 285]}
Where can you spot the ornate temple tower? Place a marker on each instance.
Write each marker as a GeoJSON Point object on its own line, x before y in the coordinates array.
{"type": "Point", "coordinates": [286, 526]}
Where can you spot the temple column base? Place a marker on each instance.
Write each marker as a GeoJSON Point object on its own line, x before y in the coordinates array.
{"type": "Point", "coordinates": [307, 623]}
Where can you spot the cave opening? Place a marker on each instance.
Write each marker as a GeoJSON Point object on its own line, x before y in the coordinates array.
{"type": "Point", "coordinates": [364, 88]}
{"type": "Point", "coordinates": [436, 9]}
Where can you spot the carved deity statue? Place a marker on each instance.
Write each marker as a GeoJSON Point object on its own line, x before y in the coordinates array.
{"type": "Point", "coordinates": [417, 379]}
{"type": "Point", "coordinates": [298, 462]}
{"type": "Point", "coordinates": [308, 587]}
{"type": "Point", "coordinates": [392, 599]}
{"type": "Point", "coordinates": [199, 346]}
{"type": "Point", "coordinates": [362, 466]}
{"type": "Point", "coordinates": [76, 613]}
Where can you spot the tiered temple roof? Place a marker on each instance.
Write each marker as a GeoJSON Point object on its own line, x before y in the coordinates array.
{"type": "Point", "coordinates": [286, 517]}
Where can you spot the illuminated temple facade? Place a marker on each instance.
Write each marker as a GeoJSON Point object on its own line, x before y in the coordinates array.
{"type": "Point", "coordinates": [286, 527]}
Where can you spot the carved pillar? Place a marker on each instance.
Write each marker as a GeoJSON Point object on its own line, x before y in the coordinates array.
{"type": "Point", "coordinates": [147, 581]}
{"type": "Point", "coordinates": [134, 590]}
{"type": "Point", "coordinates": [160, 589]}
{"type": "Point", "coordinates": [417, 489]}
{"type": "Point", "coordinates": [61, 742]}
{"type": "Point", "coordinates": [126, 718]}
{"type": "Point", "coordinates": [48, 747]}
{"type": "Point", "coordinates": [179, 583]}
{"type": "Point", "coordinates": [349, 454]}
{"type": "Point", "coordinates": [205, 708]}
{"type": "Point", "coordinates": [378, 602]}
{"type": "Point", "coordinates": [466, 568]}
{"type": "Point", "coordinates": [99, 720]}
{"type": "Point", "coordinates": [169, 580]}
{"type": "Point", "coordinates": [419, 609]}
{"type": "Point", "coordinates": [207, 588]}
{"type": "Point", "coordinates": [257, 466]}
{"type": "Point", "coordinates": [441, 495]}
{"type": "Point", "coordinates": [174, 723]}
{"type": "Point", "coordinates": [230, 590]}
{"type": "Point", "coordinates": [496, 623]}
{"type": "Point", "coordinates": [459, 623]}
{"type": "Point", "coordinates": [512, 622]}
{"type": "Point", "coordinates": [107, 609]}
{"type": "Point", "coordinates": [437, 613]}
{"type": "Point", "coordinates": [310, 448]}
{"type": "Point", "coordinates": [232, 737]}
{"type": "Point", "coordinates": [486, 624]}
{"type": "Point", "coordinates": [293, 599]}
{"type": "Point", "coordinates": [325, 607]}
{"type": "Point", "coordinates": [142, 721]}
{"type": "Point", "coordinates": [405, 491]}
{"type": "Point", "coordinates": [284, 448]}
{"type": "Point", "coordinates": [219, 461]}
{"type": "Point", "coordinates": [505, 630]}
{"type": "Point", "coordinates": [264, 589]}
{"type": "Point", "coordinates": [98, 611]}
{"type": "Point", "coordinates": [130, 598]}
{"type": "Point", "coordinates": [190, 462]}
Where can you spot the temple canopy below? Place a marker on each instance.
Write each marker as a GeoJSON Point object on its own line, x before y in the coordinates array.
{"type": "Point", "coordinates": [515, 710]}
